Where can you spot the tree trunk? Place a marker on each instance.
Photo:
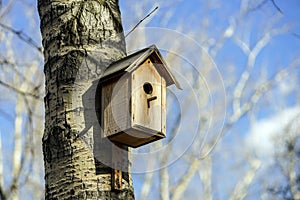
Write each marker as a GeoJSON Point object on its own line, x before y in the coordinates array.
{"type": "Point", "coordinates": [80, 39]}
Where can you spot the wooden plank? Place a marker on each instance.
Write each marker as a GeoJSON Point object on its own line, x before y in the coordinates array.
{"type": "Point", "coordinates": [142, 114]}
{"type": "Point", "coordinates": [136, 137]}
{"type": "Point", "coordinates": [115, 106]}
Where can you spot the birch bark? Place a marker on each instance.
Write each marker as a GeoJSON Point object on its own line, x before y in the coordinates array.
{"type": "Point", "coordinates": [80, 39]}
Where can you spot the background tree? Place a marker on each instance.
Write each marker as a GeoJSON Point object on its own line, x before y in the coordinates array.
{"type": "Point", "coordinates": [255, 47]}
{"type": "Point", "coordinates": [257, 86]}
{"type": "Point", "coordinates": [21, 112]}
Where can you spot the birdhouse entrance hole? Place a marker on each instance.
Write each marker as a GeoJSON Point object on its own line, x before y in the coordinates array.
{"type": "Point", "coordinates": [148, 88]}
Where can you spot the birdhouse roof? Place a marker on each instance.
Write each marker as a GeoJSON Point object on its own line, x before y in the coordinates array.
{"type": "Point", "coordinates": [133, 61]}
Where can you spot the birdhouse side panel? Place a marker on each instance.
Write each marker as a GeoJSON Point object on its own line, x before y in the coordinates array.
{"type": "Point", "coordinates": [115, 106]}
{"type": "Point", "coordinates": [146, 97]}
{"type": "Point", "coordinates": [163, 106]}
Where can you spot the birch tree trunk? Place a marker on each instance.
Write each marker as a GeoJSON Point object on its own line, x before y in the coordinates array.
{"type": "Point", "coordinates": [80, 39]}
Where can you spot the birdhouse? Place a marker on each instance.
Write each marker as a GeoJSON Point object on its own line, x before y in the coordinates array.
{"type": "Point", "coordinates": [133, 98]}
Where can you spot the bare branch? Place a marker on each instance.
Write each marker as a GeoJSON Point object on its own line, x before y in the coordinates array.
{"type": "Point", "coordinates": [148, 15]}
{"type": "Point", "coordinates": [164, 184]}
{"type": "Point", "coordinates": [252, 55]}
{"type": "Point", "coordinates": [148, 177]}
{"type": "Point", "coordinates": [276, 6]}
{"type": "Point", "coordinates": [23, 37]}
{"type": "Point", "coordinates": [205, 173]}
{"type": "Point", "coordinates": [263, 88]}
{"type": "Point", "coordinates": [289, 167]}
{"type": "Point", "coordinates": [241, 189]}
{"type": "Point", "coordinates": [20, 91]}
{"type": "Point", "coordinates": [253, 99]}
{"type": "Point", "coordinates": [295, 35]}
{"type": "Point", "coordinates": [6, 9]}
{"type": "Point", "coordinates": [146, 185]}
{"type": "Point", "coordinates": [261, 4]}
{"type": "Point", "coordinates": [17, 152]}
{"type": "Point", "coordinates": [14, 67]}
{"type": "Point", "coordinates": [181, 186]}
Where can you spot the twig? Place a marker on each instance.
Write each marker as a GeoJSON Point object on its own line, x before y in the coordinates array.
{"type": "Point", "coordinates": [263, 3]}
{"type": "Point", "coordinates": [141, 21]}
{"type": "Point", "coordinates": [262, 89]}
{"type": "Point", "coordinates": [4, 61]}
{"type": "Point", "coordinates": [260, 5]}
{"type": "Point", "coordinates": [23, 37]}
{"type": "Point", "coordinates": [295, 35]}
{"type": "Point", "coordinates": [241, 189]}
{"type": "Point", "coordinates": [276, 6]}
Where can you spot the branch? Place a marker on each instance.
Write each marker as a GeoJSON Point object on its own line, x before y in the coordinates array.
{"type": "Point", "coordinates": [295, 35]}
{"type": "Point", "coordinates": [276, 6]}
{"type": "Point", "coordinates": [29, 154]}
{"type": "Point", "coordinates": [14, 66]}
{"type": "Point", "coordinates": [205, 173]}
{"type": "Point", "coordinates": [17, 149]}
{"type": "Point", "coordinates": [252, 55]}
{"type": "Point", "coordinates": [290, 141]}
{"type": "Point", "coordinates": [20, 91]}
{"type": "Point", "coordinates": [253, 100]}
{"type": "Point", "coordinates": [241, 188]}
{"type": "Point", "coordinates": [148, 15]}
{"type": "Point", "coordinates": [23, 37]}
{"type": "Point", "coordinates": [184, 181]}
{"type": "Point", "coordinates": [146, 185]}
{"type": "Point", "coordinates": [5, 10]}
{"type": "Point", "coordinates": [260, 5]}
{"type": "Point", "coordinates": [164, 185]}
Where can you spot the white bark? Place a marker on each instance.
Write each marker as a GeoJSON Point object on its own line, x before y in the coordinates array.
{"type": "Point", "coordinates": [17, 147]}
{"type": "Point", "coordinates": [241, 188]}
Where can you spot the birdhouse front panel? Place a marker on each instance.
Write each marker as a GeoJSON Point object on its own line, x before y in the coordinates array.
{"type": "Point", "coordinates": [146, 98]}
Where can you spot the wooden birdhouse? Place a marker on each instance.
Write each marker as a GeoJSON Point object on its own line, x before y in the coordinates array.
{"type": "Point", "coordinates": [133, 98]}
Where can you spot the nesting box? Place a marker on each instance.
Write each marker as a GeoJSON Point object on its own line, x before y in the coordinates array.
{"type": "Point", "coordinates": [133, 98]}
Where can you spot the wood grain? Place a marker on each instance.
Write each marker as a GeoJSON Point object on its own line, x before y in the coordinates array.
{"type": "Point", "coordinates": [149, 117]}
